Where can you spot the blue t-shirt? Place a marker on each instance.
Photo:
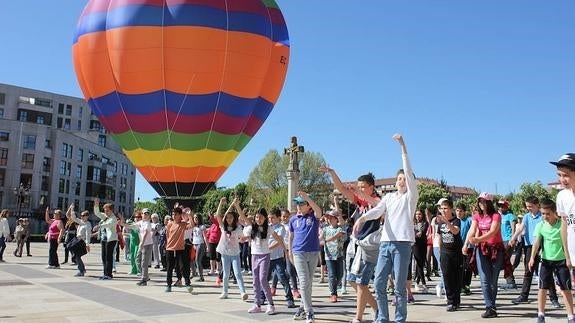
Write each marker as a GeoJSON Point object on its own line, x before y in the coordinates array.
{"type": "Point", "coordinates": [507, 226]}
{"type": "Point", "coordinates": [530, 221]}
{"type": "Point", "coordinates": [465, 226]}
{"type": "Point", "coordinates": [305, 230]}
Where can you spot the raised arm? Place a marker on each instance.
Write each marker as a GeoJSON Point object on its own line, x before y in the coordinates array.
{"type": "Point", "coordinates": [408, 171]}
{"type": "Point", "coordinates": [219, 215]}
{"type": "Point", "coordinates": [97, 212]}
{"type": "Point", "coordinates": [47, 216]}
{"type": "Point", "coordinates": [70, 212]}
{"type": "Point", "coordinates": [241, 213]}
{"type": "Point", "coordinates": [316, 209]}
{"type": "Point", "coordinates": [345, 191]}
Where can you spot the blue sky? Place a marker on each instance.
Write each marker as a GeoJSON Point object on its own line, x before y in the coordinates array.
{"type": "Point", "coordinates": [483, 91]}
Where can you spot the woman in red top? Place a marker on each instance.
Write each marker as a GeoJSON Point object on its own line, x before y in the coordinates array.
{"type": "Point", "coordinates": [213, 234]}
{"type": "Point", "coordinates": [54, 234]}
{"type": "Point", "coordinates": [485, 233]}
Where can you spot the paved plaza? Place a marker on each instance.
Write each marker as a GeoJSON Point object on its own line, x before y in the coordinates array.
{"type": "Point", "coordinates": [31, 293]}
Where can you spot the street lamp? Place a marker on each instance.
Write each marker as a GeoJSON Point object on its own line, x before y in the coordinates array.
{"type": "Point", "coordinates": [20, 193]}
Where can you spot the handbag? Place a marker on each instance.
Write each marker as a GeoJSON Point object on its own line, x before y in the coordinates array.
{"type": "Point", "coordinates": [77, 246]}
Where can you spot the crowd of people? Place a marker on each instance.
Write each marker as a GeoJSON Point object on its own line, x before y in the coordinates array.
{"type": "Point", "coordinates": [385, 242]}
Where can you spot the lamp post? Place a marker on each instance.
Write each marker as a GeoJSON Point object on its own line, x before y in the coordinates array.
{"type": "Point", "coordinates": [20, 193]}
{"type": "Point", "coordinates": [293, 171]}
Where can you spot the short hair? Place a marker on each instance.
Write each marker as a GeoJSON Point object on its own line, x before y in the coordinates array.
{"type": "Point", "coordinates": [532, 199]}
{"type": "Point", "coordinates": [109, 206]}
{"type": "Point", "coordinates": [84, 213]}
{"type": "Point", "coordinates": [461, 206]}
{"type": "Point", "coordinates": [367, 178]}
{"type": "Point", "coordinates": [177, 210]}
{"type": "Point", "coordinates": [449, 203]}
{"type": "Point", "coordinates": [548, 204]}
{"type": "Point", "coordinates": [276, 211]}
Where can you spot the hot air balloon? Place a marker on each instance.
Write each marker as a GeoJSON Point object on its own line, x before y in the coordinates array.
{"type": "Point", "coordinates": [181, 85]}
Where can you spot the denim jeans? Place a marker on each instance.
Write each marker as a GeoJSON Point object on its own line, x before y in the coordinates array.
{"type": "Point", "coordinates": [437, 255]}
{"type": "Point", "coordinates": [278, 271]}
{"type": "Point", "coordinates": [394, 256]}
{"type": "Point", "coordinates": [235, 262]}
{"type": "Point", "coordinates": [334, 273]}
{"type": "Point", "coordinates": [80, 263]}
{"type": "Point", "coordinates": [305, 264]}
{"type": "Point", "coordinates": [489, 274]}
{"type": "Point", "coordinates": [2, 247]}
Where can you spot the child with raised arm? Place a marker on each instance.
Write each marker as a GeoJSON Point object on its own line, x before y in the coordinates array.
{"type": "Point", "coordinates": [229, 245]}
{"type": "Point", "coordinates": [555, 260]}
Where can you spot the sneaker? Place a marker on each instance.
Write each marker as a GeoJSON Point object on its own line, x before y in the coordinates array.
{"type": "Point", "coordinates": [423, 289]}
{"type": "Point", "coordinates": [390, 290]}
{"type": "Point", "coordinates": [223, 295]}
{"type": "Point", "coordinates": [255, 309]}
{"type": "Point", "coordinates": [142, 283]}
{"type": "Point", "coordinates": [540, 319]}
{"type": "Point", "coordinates": [273, 290]}
{"type": "Point", "coordinates": [245, 296]}
{"type": "Point", "coordinates": [310, 318]}
{"type": "Point", "coordinates": [271, 310]}
{"type": "Point", "coordinates": [168, 289]}
{"type": "Point", "coordinates": [555, 303]}
{"type": "Point", "coordinates": [465, 290]}
{"type": "Point", "coordinates": [571, 320]}
{"type": "Point", "coordinates": [296, 293]}
{"type": "Point", "coordinates": [190, 288]}
{"type": "Point", "coordinates": [47, 267]}
{"type": "Point", "coordinates": [290, 304]}
{"type": "Point", "coordinates": [79, 275]}
{"type": "Point", "coordinates": [343, 291]}
{"type": "Point", "coordinates": [356, 321]}
{"type": "Point", "coordinates": [201, 279]}
{"type": "Point", "coordinates": [299, 314]}
{"type": "Point", "coordinates": [178, 283]}
{"type": "Point", "coordinates": [438, 291]}
{"type": "Point", "coordinates": [520, 300]}
{"type": "Point", "coordinates": [410, 299]}
{"type": "Point", "coordinates": [489, 313]}
{"type": "Point", "coordinates": [451, 308]}
{"type": "Point", "coordinates": [333, 299]}
{"type": "Point", "coordinates": [219, 282]}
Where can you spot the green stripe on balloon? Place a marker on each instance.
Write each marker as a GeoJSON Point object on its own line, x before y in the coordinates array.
{"type": "Point", "coordinates": [185, 142]}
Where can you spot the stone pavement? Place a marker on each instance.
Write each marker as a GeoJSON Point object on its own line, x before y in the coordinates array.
{"type": "Point", "coordinates": [31, 293]}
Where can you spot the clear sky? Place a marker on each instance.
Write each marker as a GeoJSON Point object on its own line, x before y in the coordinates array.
{"type": "Point", "coordinates": [483, 91]}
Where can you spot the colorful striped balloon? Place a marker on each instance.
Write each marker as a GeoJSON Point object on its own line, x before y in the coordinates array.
{"type": "Point", "coordinates": [182, 85]}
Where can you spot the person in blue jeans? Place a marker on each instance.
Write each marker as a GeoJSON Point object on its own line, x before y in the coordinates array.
{"type": "Point", "coordinates": [304, 250]}
{"type": "Point", "coordinates": [397, 237]}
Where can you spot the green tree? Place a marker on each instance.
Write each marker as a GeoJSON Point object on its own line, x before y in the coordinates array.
{"type": "Point", "coordinates": [429, 194]}
{"type": "Point", "coordinates": [517, 200]}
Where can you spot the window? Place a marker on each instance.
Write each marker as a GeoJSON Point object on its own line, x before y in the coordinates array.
{"type": "Point", "coordinates": [95, 125]}
{"type": "Point", "coordinates": [2, 98]}
{"type": "Point", "coordinates": [124, 169]}
{"type": "Point", "coordinates": [79, 126]}
{"type": "Point", "coordinates": [45, 184]}
{"type": "Point", "coordinates": [102, 140]}
{"type": "Point", "coordinates": [4, 136]}
{"type": "Point", "coordinates": [28, 161]}
{"type": "Point", "coordinates": [40, 119]}
{"type": "Point", "coordinates": [105, 160]}
{"type": "Point", "coordinates": [80, 154]}
{"type": "Point", "coordinates": [29, 142]}
{"type": "Point", "coordinates": [3, 156]}
{"type": "Point", "coordinates": [62, 168]}
{"type": "Point", "coordinates": [78, 171]}
{"type": "Point", "coordinates": [66, 150]}
{"type": "Point", "coordinates": [80, 112]}
{"type": "Point", "coordinates": [61, 185]}
{"type": "Point", "coordinates": [61, 108]}
{"type": "Point", "coordinates": [48, 144]}
{"type": "Point", "coordinates": [68, 109]}
{"type": "Point", "coordinates": [2, 176]}
{"type": "Point", "coordinates": [1, 113]}
{"type": "Point", "coordinates": [123, 183]}
{"type": "Point", "coordinates": [92, 156]}
{"type": "Point", "coordinates": [77, 190]}
{"type": "Point", "coordinates": [46, 164]}
{"type": "Point", "coordinates": [59, 123]}
{"type": "Point", "coordinates": [67, 124]}
{"type": "Point", "coordinates": [23, 116]}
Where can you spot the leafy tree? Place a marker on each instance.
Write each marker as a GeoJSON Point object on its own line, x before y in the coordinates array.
{"type": "Point", "coordinates": [158, 206]}
{"type": "Point", "coordinates": [429, 194]}
{"type": "Point", "coordinates": [517, 200]}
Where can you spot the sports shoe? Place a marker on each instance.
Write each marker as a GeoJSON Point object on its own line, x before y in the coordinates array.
{"type": "Point", "coordinates": [333, 299]}
{"type": "Point", "coordinates": [310, 318]}
{"type": "Point", "coordinates": [245, 296]}
{"type": "Point", "coordinates": [255, 309]}
{"type": "Point", "coordinates": [540, 319]}
{"type": "Point", "coordinates": [571, 320]}
{"type": "Point", "coordinates": [219, 282]}
{"type": "Point", "coordinates": [296, 293]}
{"type": "Point", "coordinates": [142, 283]}
{"type": "Point", "coordinates": [168, 289]}
{"type": "Point", "coordinates": [489, 313]}
{"type": "Point", "coordinates": [271, 310]}
{"type": "Point", "coordinates": [273, 290]}
{"type": "Point", "coordinates": [201, 279]}
{"type": "Point", "coordinates": [465, 290]}
{"type": "Point", "coordinates": [190, 288]}
{"type": "Point", "coordinates": [343, 291]}
{"type": "Point", "coordinates": [423, 289]}
{"type": "Point", "coordinates": [438, 291]}
{"type": "Point", "coordinates": [223, 295]}
{"type": "Point", "coordinates": [520, 300]}
{"type": "Point", "coordinates": [410, 299]}
{"type": "Point", "coordinates": [451, 308]}
{"type": "Point", "coordinates": [291, 304]}
{"type": "Point", "coordinates": [79, 275]}
{"type": "Point", "coordinates": [555, 303]}
{"type": "Point", "coordinates": [299, 314]}
{"type": "Point", "coordinates": [178, 283]}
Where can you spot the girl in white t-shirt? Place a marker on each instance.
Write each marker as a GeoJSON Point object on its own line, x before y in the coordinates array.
{"type": "Point", "coordinates": [229, 246]}
{"type": "Point", "coordinates": [199, 243]}
{"type": "Point", "coordinates": [260, 233]}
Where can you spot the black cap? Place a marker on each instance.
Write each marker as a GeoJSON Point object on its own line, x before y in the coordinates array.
{"type": "Point", "coordinates": [567, 160]}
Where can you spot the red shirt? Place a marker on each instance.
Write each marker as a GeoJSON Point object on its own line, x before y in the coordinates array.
{"type": "Point", "coordinates": [175, 236]}
{"type": "Point", "coordinates": [484, 225]}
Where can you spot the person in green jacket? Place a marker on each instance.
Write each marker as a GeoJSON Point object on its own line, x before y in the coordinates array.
{"type": "Point", "coordinates": [134, 246]}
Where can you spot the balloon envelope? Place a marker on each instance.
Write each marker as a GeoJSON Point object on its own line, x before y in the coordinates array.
{"type": "Point", "coordinates": [181, 85]}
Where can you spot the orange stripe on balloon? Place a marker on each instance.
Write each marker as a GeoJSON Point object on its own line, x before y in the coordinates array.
{"type": "Point", "coordinates": [192, 57]}
{"type": "Point", "coordinates": [181, 174]}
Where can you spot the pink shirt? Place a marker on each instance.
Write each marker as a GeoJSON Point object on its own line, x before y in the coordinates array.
{"type": "Point", "coordinates": [53, 230]}
{"type": "Point", "coordinates": [484, 225]}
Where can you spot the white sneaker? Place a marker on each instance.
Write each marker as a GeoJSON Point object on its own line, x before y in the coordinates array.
{"type": "Point", "coordinates": [255, 309]}
{"type": "Point", "coordinates": [224, 295]}
{"type": "Point", "coordinates": [271, 310]}
{"type": "Point", "coordinates": [438, 291]}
